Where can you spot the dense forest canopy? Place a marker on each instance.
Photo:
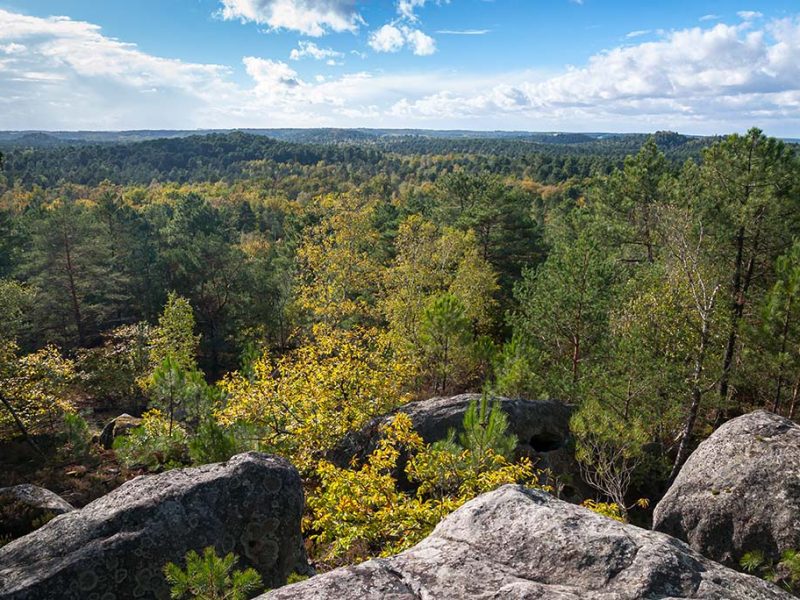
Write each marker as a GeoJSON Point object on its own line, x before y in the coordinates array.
{"type": "Point", "coordinates": [277, 294]}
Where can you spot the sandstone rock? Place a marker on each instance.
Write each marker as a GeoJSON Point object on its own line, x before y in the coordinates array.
{"type": "Point", "coordinates": [116, 546]}
{"type": "Point", "coordinates": [739, 491]}
{"type": "Point", "coordinates": [541, 427]}
{"type": "Point", "coordinates": [117, 427]}
{"type": "Point", "coordinates": [26, 507]}
{"type": "Point", "coordinates": [515, 543]}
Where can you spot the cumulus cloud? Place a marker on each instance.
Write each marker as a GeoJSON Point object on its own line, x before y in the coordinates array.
{"type": "Point", "coordinates": [310, 17]}
{"type": "Point", "coordinates": [311, 50]}
{"type": "Point", "coordinates": [58, 73]}
{"type": "Point", "coordinates": [727, 71]}
{"type": "Point", "coordinates": [393, 38]}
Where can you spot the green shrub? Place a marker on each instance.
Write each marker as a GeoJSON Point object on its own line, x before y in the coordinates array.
{"type": "Point", "coordinates": [210, 577]}
{"type": "Point", "coordinates": [77, 437]}
{"type": "Point", "coordinates": [212, 443]}
{"type": "Point", "coordinates": [155, 443]}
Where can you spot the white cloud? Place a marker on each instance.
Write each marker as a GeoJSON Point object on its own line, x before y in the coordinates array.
{"type": "Point", "coordinates": [65, 73]}
{"type": "Point", "coordinates": [749, 15]}
{"type": "Point", "coordinates": [709, 18]}
{"type": "Point", "coordinates": [637, 33]}
{"type": "Point", "coordinates": [311, 50]}
{"type": "Point", "coordinates": [310, 17]}
{"type": "Point", "coordinates": [407, 8]}
{"type": "Point", "coordinates": [57, 73]}
{"type": "Point", "coordinates": [387, 39]}
{"type": "Point", "coordinates": [463, 31]}
{"type": "Point", "coordinates": [725, 73]}
{"type": "Point", "coordinates": [12, 48]}
{"type": "Point", "coordinates": [392, 38]}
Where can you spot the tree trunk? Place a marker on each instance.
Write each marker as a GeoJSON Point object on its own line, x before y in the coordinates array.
{"type": "Point", "coordinates": [20, 425]}
{"type": "Point", "coordinates": [694, 407]}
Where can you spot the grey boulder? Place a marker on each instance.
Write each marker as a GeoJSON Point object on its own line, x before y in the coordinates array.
{"type": "Point", "coordinates": [117, 427]}
{"type": "Point", "coordinates": [117, 546]}
{"type": "Point", "coordinates": [739, 491]}
{"type": "Point", "coordinates": [541, 427]}
{"type": "Point", "coordinates": [26, 507]}
{"type": "Point", "coordinates": [516, 543]}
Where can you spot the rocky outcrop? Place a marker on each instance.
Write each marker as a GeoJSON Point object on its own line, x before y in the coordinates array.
{"type": "Point", "coordinates": [26, 507]}
{"type": "Point", "coordinates": [117, 427]}
{"type": "Point", "coordinates": [739, 491]}
{"type": "Point", "coordinates": [541, 427]}
{"type": "Point", "coordinates": [116, 546]}
{"type": "Point", "coordinates": [519, 543]}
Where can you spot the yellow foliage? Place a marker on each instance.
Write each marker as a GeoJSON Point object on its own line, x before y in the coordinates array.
{"type": "Point", "coordinates": [607, 509]}
{"type": "Point", "coordinates": [339, 274]}
{"type": "Point", "coordinates": [307, 400]}
{"type": "Point", "coordinates": [356, 514]}
{"type": "Point", "coordinates": [35, 385]}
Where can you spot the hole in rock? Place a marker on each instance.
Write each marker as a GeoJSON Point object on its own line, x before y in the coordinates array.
{"type": "Point", "coordinates": [546, 442]}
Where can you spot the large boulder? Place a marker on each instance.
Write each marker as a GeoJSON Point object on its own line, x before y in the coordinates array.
{"type": "Point", "coordinates": [117, 427]}
{"type": "Point", "coordinates": [26, 507]}
{"type": "Point", "coordinates": [739, 491]}
{"type": "Point", "coordinates": [116, 546]}
{"type": "Point", "coordinates": [541, 427]}
{"type": "Point", "coordinates": [520, 543]}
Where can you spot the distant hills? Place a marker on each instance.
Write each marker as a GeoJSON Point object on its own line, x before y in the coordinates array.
{"type": "Point", "coordinates": [46, 139]}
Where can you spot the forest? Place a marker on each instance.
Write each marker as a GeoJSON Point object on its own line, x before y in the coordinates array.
{"type": "Point", "coordinates": [240, 292]}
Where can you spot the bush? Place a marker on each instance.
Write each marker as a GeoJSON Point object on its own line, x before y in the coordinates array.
{"type": "Point", "coordinates": [153, 444]}
{"type": "Point", "coordinates": [213, 443]}
{"type": "Point", "coordinates": [210, 577]}
{"type": "Point", "coordinates": [356, 514]}
{"type": "Point", "coordinates": [77, 437]}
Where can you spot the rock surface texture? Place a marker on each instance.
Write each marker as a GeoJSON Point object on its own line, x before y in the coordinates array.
{"type": "Point", "coordinates": [739, 491]}
{"type": "Point", "coordinates": [26, 507]}
{"type": "Point", "coordinates": [516, 543]}
{"type": "Point", "coordinates": [116, 546]}
{"type": "Point", "coordinates": [541, 427]}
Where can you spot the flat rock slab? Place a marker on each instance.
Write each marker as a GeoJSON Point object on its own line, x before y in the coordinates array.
{"type": "Point", "coordinates": [116, 547]}
{"type": "Point", "coordinates": [739, 491]}
{"type": "Point", "coordinates": [516, 543]}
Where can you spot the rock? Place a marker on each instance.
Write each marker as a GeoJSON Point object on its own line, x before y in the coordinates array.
{"type": "Point", "coordinates": [116, 546]}
{"type": "Point", "coordinates": [541, 427]}
{"type": "Point", "coordinates": [26, 507]}
{"type": "Point", "coordinates": [739, 491]}
{"type": "Point", "coordinates": [519, 543]}
{"type": "Point", "coordinates": [117, 427]}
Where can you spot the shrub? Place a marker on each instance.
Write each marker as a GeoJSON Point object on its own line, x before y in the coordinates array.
{"type": "Point", "coordinates": [360, 513]}
{"type": "Point", "coordinates": [153, 444]}
{"type": "Point", "coordinates": [210, 577]}
{"type": "Point", "coordinates": [77, 437]}
{"type": "Point", "coordinates": [213, 443]}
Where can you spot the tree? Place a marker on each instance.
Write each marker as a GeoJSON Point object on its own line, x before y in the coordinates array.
{"type": "Point", "coordinates": [630, 197]}
{"type": "Point", "coordinates": [338, 270]}
{"type": "Point", "coordinates": [608, 450]}
{"type": "Point", "coordinates": [700, 284]}
{"type": "Point", "coordinates": [304, 402]}
{"type": "Point", "coordinates": [445, 338]}
{"type": "Point", "coordinates": [746, 182]}
{"type": "Point", "coordinates": [70, 265]}
{"type": "Point", "coordinates": [562, 315]}
{"type": "Point", "coordinates": [174, 336]}
{"type": "Point", "coordinates": [780, 332]}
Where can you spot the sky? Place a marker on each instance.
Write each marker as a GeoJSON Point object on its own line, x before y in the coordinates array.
{"type": "Point", "coordinates": [694, 66]}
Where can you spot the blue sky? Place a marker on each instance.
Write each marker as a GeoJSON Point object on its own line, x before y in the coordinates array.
{"type": "Point", "coordinates": [591, 65]}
